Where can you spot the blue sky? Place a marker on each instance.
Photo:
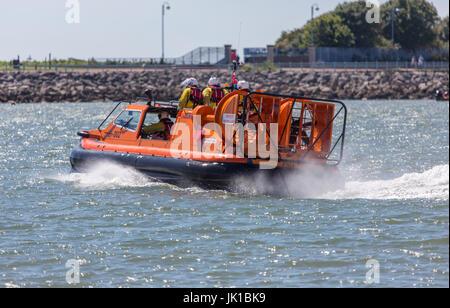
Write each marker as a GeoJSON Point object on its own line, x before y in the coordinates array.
{"type": "Point", "coordinates": [132, 28]}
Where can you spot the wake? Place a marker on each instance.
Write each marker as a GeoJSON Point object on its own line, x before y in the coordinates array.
{"type": "Point", "coordinates": [108, 175]}
{"type": "Point", "coordinates": [431, 184]}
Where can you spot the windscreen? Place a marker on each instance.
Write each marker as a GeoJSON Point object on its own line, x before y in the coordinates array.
{"type": "Point", "coordinates": [128, 119]}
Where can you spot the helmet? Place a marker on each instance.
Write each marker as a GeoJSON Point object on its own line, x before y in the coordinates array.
{"type": "Point", "coordinates": [214, 81]}
{"type": "Point", "coordinates": [190, 82]}
{"type": "Point", "coordinates": [148, 92]}
{"type": "Point", "coordinates": [243, 85]}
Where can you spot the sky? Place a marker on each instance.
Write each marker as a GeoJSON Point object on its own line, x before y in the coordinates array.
{"type": "Point", "coordinates": [132, 28]}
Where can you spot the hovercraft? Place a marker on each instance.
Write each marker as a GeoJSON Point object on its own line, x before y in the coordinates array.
{"type": "Point", "coordinates": [248, 135]}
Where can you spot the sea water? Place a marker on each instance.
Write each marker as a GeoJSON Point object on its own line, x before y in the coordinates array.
{"type": "Point", "coordinates": [122, 229]}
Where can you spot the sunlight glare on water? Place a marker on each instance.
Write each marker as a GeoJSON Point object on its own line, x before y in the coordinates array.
{"type": "Point", "coordinates": [128, 230]}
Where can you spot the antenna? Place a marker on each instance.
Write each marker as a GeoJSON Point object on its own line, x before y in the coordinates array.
{"type": "Point", "coordinates": [239, 37]}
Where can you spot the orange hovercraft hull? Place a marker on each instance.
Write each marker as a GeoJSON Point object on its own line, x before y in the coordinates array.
{"type": "Point", "coordinates": [206, 160]}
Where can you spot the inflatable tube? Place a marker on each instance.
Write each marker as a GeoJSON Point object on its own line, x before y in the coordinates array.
{"type": "Point", "coordinates": [168, 169]}
{"type": "Point", "coordinates": [209, 175]}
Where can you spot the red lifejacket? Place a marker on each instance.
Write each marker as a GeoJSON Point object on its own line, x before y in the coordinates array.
{"type": "Point", "coordinates": [196, 96]}
{"type": "Point", "coordinates": [165, 135]}
{"type": "Point", "coordinates": [217, 95]}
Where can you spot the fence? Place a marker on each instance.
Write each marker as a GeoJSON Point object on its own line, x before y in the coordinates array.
{"type": "Point", "coordinates": [132, 61]}
{"type": "Point", "coordinates": [202, 55]}
{"type": "Point", "coordinates": [107, 67]}
{"type": "Point", "coordinates": [330, 66]}
{"type": "Point", "coordinates": [279, 52]}
{"type": "Point", "coordinates": [361, 66]}
{"type": "Point", "coordinates": [333, 54]}
{"type": "Point", "coordinates": [198, 56]}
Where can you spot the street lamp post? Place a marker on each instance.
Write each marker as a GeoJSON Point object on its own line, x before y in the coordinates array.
{"type": "Point", "coordinates": [393, 11]}
{"type": "Point", "coordinates": [165, 6]}
{"type": "Point", "coordinates": [313, 7]}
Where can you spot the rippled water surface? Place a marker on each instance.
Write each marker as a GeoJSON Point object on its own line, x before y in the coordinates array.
{"type": "Point", "coordinates": [127, 230]}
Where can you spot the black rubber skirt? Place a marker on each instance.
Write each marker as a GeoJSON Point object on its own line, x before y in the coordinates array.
{"type": "Point", "coordinates": [236, 177]}
{"type": "Point", "coordinates": [211, 174]}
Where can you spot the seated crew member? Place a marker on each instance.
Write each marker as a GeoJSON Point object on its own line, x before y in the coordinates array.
{"type": "Point", "coordinates": [214, 93]}
{"type": "Point", "coordinates": [160, 130]}
{"type": "Point", "coordinates": [192, 95]}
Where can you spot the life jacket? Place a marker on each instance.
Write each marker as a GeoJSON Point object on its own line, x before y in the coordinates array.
{"type": "Point", "coordinates": [196, 96]}
{"type": "Point", "coordinates": [216, 95]}
{"type": "Point", "coordinates": [165, 135]}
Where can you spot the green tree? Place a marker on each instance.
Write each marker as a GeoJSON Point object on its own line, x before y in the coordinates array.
{"type": "Point", "coordinates": [415, 23]}
{"type": "Point", "coordinates": [329, 31]}
{"type": "Point", "coordinates": [353, 15]}
{"type": "Point", "coordinates": [332, 32]}
{"type": "Point", "coordinates": [293, 39]}
{"type": "Point", "coordinates": [443, 31]}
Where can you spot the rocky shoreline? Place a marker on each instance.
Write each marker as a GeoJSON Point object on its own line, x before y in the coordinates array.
{"type": "Point", "coordinates": [26, 87]}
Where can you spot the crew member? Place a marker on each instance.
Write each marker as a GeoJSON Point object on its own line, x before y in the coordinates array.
{"type": "Point", "coordinates": [192, 95]}
{"type": "Point", "coordinates": [243, 85]}
{"type": "Point", "coordinates": [149, 94]}
{"type": "Point", "coordinates": [160, 130]}
{"type": "Point", "coordinates": [214, 93]}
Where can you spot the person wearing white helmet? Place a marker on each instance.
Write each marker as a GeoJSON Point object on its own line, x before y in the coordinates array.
{"type": "Point", "coordinates": [192, 95]}
{"type": "Point", "coordinates": [213, 94]}
{"type": "Point", "coordinates": [243, 86]}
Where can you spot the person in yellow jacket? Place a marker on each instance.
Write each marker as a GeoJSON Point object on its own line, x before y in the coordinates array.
{"type": "Point", "coordinates": [160, 130]}
{"type": "Point", "coordinates": [214, 93]}
{"type": "Point", "coordinates": [243, 85]}
{"type": "Point", "coordinates": [192, 95]}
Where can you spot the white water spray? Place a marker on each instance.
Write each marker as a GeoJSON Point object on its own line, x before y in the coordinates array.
{"type": "Point", "coordinates": [108, 175]}
{"type": "Point", "coordinates": [431, 184]}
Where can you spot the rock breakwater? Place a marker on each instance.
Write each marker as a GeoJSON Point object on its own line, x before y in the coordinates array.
{"type": "Point", "coordinates": [26, 87]}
